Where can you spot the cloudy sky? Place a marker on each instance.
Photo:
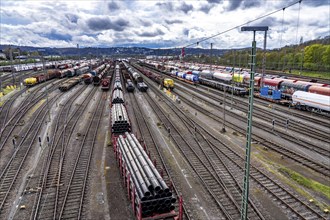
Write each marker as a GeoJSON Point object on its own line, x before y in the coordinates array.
{"type": "Point", "coordinates": [158, 24]}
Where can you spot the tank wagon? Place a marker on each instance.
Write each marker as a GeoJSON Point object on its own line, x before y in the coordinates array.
{"type": "Point", "coordinates": [311, 101]}
{"type": "Point", "coordinates": [98, 78]}
{"type": "Point", "coordinates": [87, 78]}
{"type": "Point", "coordinates": [81, 70]}
{"type": "Point", "coordinates": [40, 78]}
{"type": "Point", "coordinates": [97, 70]}
{"type": "Point", "coordinates": [276, 88]}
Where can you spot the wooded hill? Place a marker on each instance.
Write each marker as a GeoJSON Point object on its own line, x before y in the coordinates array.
{"type": "Point", "coordinates": [312, 55]}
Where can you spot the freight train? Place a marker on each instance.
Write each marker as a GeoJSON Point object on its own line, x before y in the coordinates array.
{"type": "Point", "coordinates": [40, 78]}
{"type": "Point", "coordinates": [278, 88]}
{"type": "Point", "coordinates": [144, 184]}
{"type": "Point", "coordinates": [241, 78]}
{"type": "Point", "coordinates": [137, 78]}
{"type": "Point", "coordinates": [102, 73]}
{"type": "Point", "coordinates": [217, 80]}
{"type": "Point", "coordinates": [161, 80]}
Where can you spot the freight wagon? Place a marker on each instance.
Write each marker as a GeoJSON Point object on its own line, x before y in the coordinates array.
{"type": "Point", "coordinates": [129, 86]}
{"type": "Point", "coordinates": [31, 81]}
{"type": "Point", "coordinates": [310, 101]}
{"type": "Point", "coordinates": [68, 84]}
{"type": "Point", "coordinates": [105, 84]}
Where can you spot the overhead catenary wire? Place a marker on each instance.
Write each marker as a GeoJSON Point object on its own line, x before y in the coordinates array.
{"type": "Point", "coordinates": [298, 23]}
{"type": "Point", "coordinates": [230, 29]}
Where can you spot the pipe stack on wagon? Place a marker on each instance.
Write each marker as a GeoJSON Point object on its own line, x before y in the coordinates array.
{"type": "Point", "coordinates": [118, 85]}
{"type": "Point", "coordinates": [151, 194]}
{"type": "Point", "coordinates": [119, 119]}
{"type": "Point", "coordinates": [117, 96]}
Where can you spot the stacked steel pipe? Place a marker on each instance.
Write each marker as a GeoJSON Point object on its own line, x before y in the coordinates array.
{"type": "Point", "coordinates": [119, 119]}
{"type": "Point", "coordinates": [118, 85]}
{"type": "Point", "coordinates": [152, 194]}
{"type": "Point", "coordinates": [117, 96]}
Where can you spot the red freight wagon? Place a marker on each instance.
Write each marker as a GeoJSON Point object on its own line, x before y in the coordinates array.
{"type": "Point", "coordinates": [272, 83]}
{"type": "Point", "coordinates": [319, 90]}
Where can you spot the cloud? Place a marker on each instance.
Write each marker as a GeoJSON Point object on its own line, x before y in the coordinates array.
{"type": "Point", "coordinates": [156, 23]}
{"type": "Point", "coordinates": [186, 8]}
{"type": "Point", "coordinates": [72, 18]}
{"type": "Point", "coordinates": [113, 6]}
{"type": "Point", "coordinates": [233, 5]}
{"type": "Point", "coordinates": [269, 21]}
{"type": "Point", "coordinates": [54, 35]}
{"type": "Point", "coordinates": [214, 1]}
{"type": "Point", "coordinates": [104, 23]}
{"type": "Point", "coordinates": [250, 3]}
{"type": "Point", "coordinates": [145, 23]}
{"type": "Point", "coordinates": [155, 33]}
{"type": "Point", "coordinates": [167, 5]}
{"type": "Point", "coordinates": [244, 4]}
{"type": "Point", "coordinates": [176, 21]}
{"type": "Point", "coordinates": [316, 3]}
{"type": "Point", "coordinates": [206, 8]}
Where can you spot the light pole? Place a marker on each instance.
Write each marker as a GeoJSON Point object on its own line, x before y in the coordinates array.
{"type": "Point", "coordinates": [20, 68]}
{"type": "Point", "coordinates": [11, 64]}
{"type": "Point", "coordinates": [263, 61]}
{"type": "Point", "coordinates": [224, 111]}
{"type": "Point", "coordinates": [245, 194]}
{"type": "Point", "coordinates": [211, 56]}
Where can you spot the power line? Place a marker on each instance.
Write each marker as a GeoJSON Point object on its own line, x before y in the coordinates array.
{"type": "Point", "coordinates": [263, 16]}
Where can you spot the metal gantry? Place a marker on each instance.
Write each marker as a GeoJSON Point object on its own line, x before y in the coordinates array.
{"type": "Point", "coordinates": [245, 194]}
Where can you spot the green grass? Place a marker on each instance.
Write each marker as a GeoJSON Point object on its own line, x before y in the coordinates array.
{"type": "Point", "coordinates": [322, 75]}
{"type": "Point", "coordinates": [308, 183]}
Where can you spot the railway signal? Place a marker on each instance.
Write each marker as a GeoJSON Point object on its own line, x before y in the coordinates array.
{"type": "Point", "coordinates": [14, 143]}
{"type": "Point", "coordinates": [287, 124]}
{"type": "Point", "coordinates": [39, 138]}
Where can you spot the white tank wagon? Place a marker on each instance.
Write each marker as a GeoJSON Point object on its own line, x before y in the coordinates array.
{"type": "Point", "coordinates": [309, 100]}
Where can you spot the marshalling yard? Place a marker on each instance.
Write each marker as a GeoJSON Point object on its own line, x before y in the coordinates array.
{"type": "Point", "coordinates": [126, 139]}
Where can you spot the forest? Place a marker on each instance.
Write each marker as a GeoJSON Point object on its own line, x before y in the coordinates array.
{"type": "Point", "coordinates": [310, 56]}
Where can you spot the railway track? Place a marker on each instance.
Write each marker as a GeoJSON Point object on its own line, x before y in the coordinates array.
{"type": "Point", "coordinates": [318, 118]}
{"type": "Point", "coordinates": [73, 201]}
{"type": "Point", "coordinates": [13, 169]}
{"type": "Point", "coordinates": [6, 107]}
{"type": "Point", "coordinates": [234, 160]}
{"type": "Point", "coordinates": [297, 207]}
{"type": "Point", "coordinates": [148, 139]}
{"type": "Point", "coordinates": [299, 158]}
{"type": "Point", "coordinates": [265, 116]}
{"type": "Point", "coordinates": [52, 178]}
{"type": "Point", "coordinates": [15, 119]}
{"type": "Point", "coordinates": [194, 152]}
{"type": "Point", "coordinates": [8, 80]}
